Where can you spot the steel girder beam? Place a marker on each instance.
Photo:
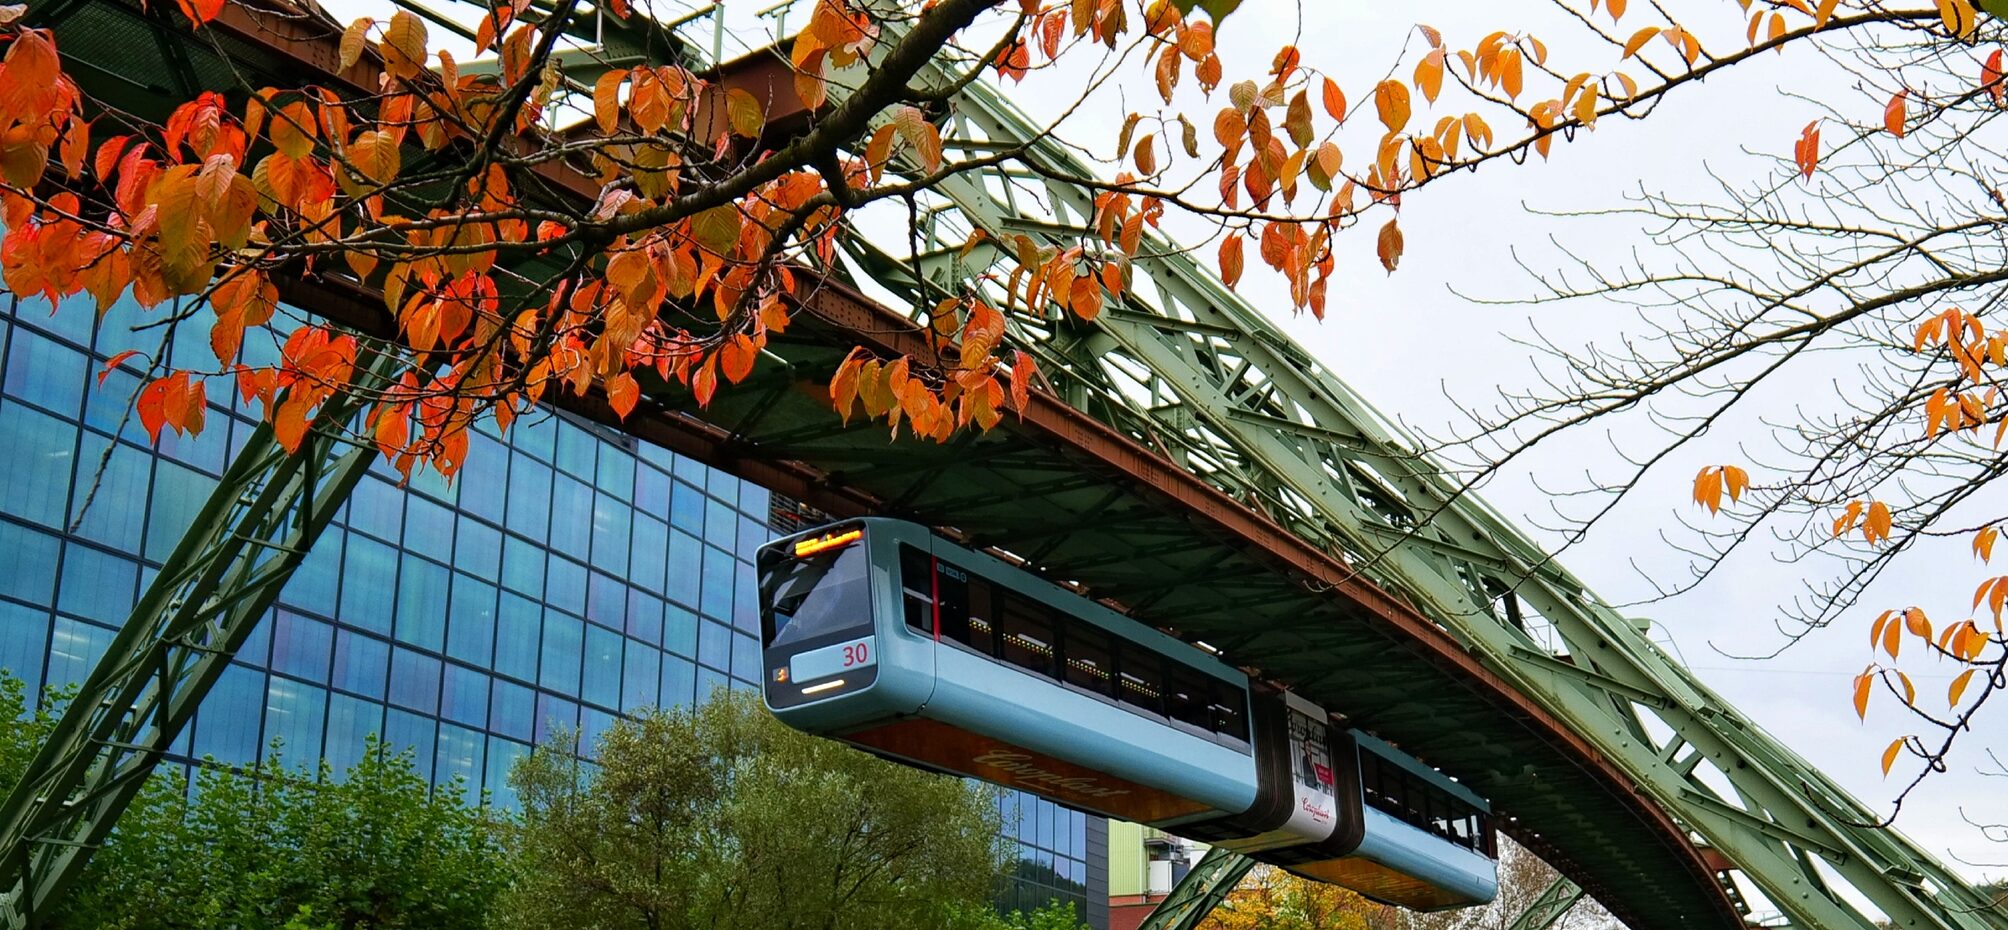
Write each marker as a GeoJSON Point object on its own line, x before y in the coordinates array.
{"type": "Point", "coordinates": [1212, 878]}
{"type": "Point", "coordinates": [211, 592]}
{"type": "Point", "coordinates": [1331, 468]}
{"type": "Point", "coordinates": [1549, 906]}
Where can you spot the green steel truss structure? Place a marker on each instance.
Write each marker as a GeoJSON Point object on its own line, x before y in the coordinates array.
{"type": "Point", "coordinates": [1549, 906]}
{"type": "Point", "coordinates": [210, 594]}
{"type": "Point", "coordinates": [1187, 371]}
{"type": "Point", "coordinates": [1229, 396]}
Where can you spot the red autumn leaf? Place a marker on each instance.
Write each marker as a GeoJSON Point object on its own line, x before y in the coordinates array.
{"type": "Point", "coordinates": [622, 394]}
{"type": "Point", "coordinates": [1230, 260]}
{"type": "Point", "coordinates": [1806, 151]}
{"type": "Point", "coordinates": [1023, 370]}
{"type": "Point", "coordinates": [1894, 114]}
{"type": "Point", "coordinates": [113, 363]}
{"type": "Point", "coordinates": [152, 412]}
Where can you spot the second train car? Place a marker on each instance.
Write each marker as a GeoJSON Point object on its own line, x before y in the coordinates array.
{"type": "Point", "coordinates": [881, 634]}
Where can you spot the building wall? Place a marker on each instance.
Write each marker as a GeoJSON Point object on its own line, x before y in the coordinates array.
{"type": "Point", "coordinates": [583, 576]}
{"type": "Point", "coordinates": [1131, 898]}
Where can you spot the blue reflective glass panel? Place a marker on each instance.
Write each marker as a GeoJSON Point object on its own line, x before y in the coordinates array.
{"type": "Point", "coordinates": [518, 636]}
{"type": "Point", "coordinates": [405, 732]}
{"type": "Point", "coordinates": [421, 603]}
{"type": "Point", "coordinates": [41, 458]}
{"type": "Point", "coordinates": [29, 571]}
{"type": "Point", "coordinates": [470, 626]}
{"type": "Point", "coordinates": [74, 649]}
{"type": "Point", "coordinates": [377, 508]}
{"type": "Point", "coordinates": [178, 494]}
{"type": "Point", "coordinates": [564, 645]}
{"type": "Point", "coordinates": [686, 508]}
{"type": "Point", "coordinates": [294, 716]}
{"type": "Point", "coordinates": [611, 539]}
{"type": "Point", "coordinates": [97, 585]}
{"type": "Point", "coordinates": [601, 683]}
{"type": "Point", "coordinates": [647, 550]}
{"type": "Point", "coordinates": [115, 515]}
{"type": "Point", "coordinates": [606, 600]}
{"type": "Point", "coordinates": [686, 568]}
{"type": "Point", "coordinates": [369, 584]}
{"type": "Point", "coordinates": [679, 683]}
{"type": "Point", "coordinates": [512, 709]}
{"type": "Point", "coordinates": [24, 645]}
{"type": "Point", "coordinates": [571, 517]}
{"type": "Point", "coordinates": [414, 681]}
{"type": "Point", "coordinates": [350, 722]}
{"type": "Point", "coordinates": [522, 567]}
{"type": "Point", "coordinates": [640, 677]}
{"type": "Point", "coordinates": [464, 699]}
{"type": "Point", "coordinates": [679, 631]}
{"type": "Point", "coordinates": [428, 528]}
{"type": "Point", "coordinates": [226, 727]}
{"type": "Point", "coordinates": [477, 548]}
{"type": "Point", "coordinates": [485, 471]}
{"type": "Point", "coordinates": [719, 566]}
{"type": "Point", "coordinates": [301, 646]}
{"type": "Point", "coordinates": [529, 496]}
{"type": "Point", "coordinates": [502, 754]}
{"type": "Point", "coordinates": [362, 664]}
{"type": "Point", "coordinates": [459, 756]}
{"type": "Point", "coordinates": [315, 582]}
{"type": "Point", "coordinates": [45, 373]}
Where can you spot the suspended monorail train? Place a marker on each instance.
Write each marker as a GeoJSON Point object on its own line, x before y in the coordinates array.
{"type": "Point", "coordinates": [882, 635]}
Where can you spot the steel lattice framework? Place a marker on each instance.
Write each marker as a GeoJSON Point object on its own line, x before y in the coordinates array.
{"type": "Point", "coordinates": [1194, 465]}
{"type": "Point", "coordinates": [1191, 367]}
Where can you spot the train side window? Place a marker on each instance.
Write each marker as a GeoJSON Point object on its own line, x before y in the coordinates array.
{"type": "Point", "coordinates": [916, 580]}
{"type": "Point", "coordinates": [1439, 813]}
{"type": "Point", "coordinates": [1025, 632]}
{"type": "Point", "coordinates": [1229, 717]}
{"type": "Point", "coordinates": [1090, 658]}
{"type": "Point", "coordinates": [1189, 697]}
{"type": "Point", "coordinates": [1416, 793]}
{"type": "Point", "coordinates": [953, 588]}
{"type": "Point", "coordinates": [982, 615]}
{"type": "Point", "coordinates": [1142, 676]}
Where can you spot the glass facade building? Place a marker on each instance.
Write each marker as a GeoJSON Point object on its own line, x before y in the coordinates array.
{"type": "Point", "coordinates": [585, 575]}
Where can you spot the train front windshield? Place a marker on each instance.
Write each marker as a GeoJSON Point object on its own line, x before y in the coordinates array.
{"type": "Point", "coordinates": [815, 590]}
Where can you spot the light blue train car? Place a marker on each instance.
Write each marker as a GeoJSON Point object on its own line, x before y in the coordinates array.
{"type": "Point", "coordinates": [879, 633]}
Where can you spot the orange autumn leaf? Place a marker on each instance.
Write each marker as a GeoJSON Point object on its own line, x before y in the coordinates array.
{"type": "Point", "coordinates": [1889, 755]}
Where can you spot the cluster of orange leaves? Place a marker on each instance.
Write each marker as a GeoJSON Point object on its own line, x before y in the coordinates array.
{"type": "Point", "coordinates": [966, 333]}
{"type": "Point", "coordinates": [1715, 480]}
{"type": "Point", "coordinates": [182, 216]}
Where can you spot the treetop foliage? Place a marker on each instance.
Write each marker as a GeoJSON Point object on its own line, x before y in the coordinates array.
{"type": "Point", "coordinates": [722, 817]}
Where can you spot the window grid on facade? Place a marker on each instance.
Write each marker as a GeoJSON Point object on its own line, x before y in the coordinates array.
{"type": "Point", "coordinates": [593, 577]}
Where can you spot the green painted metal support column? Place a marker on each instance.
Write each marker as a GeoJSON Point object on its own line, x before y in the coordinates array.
{"type": "Point", "coordinates": [227, 570]}
{"type": "Point", "coordinates": [1549, 906]}
{"type": "Point", "coordinates": [1200, 891]}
